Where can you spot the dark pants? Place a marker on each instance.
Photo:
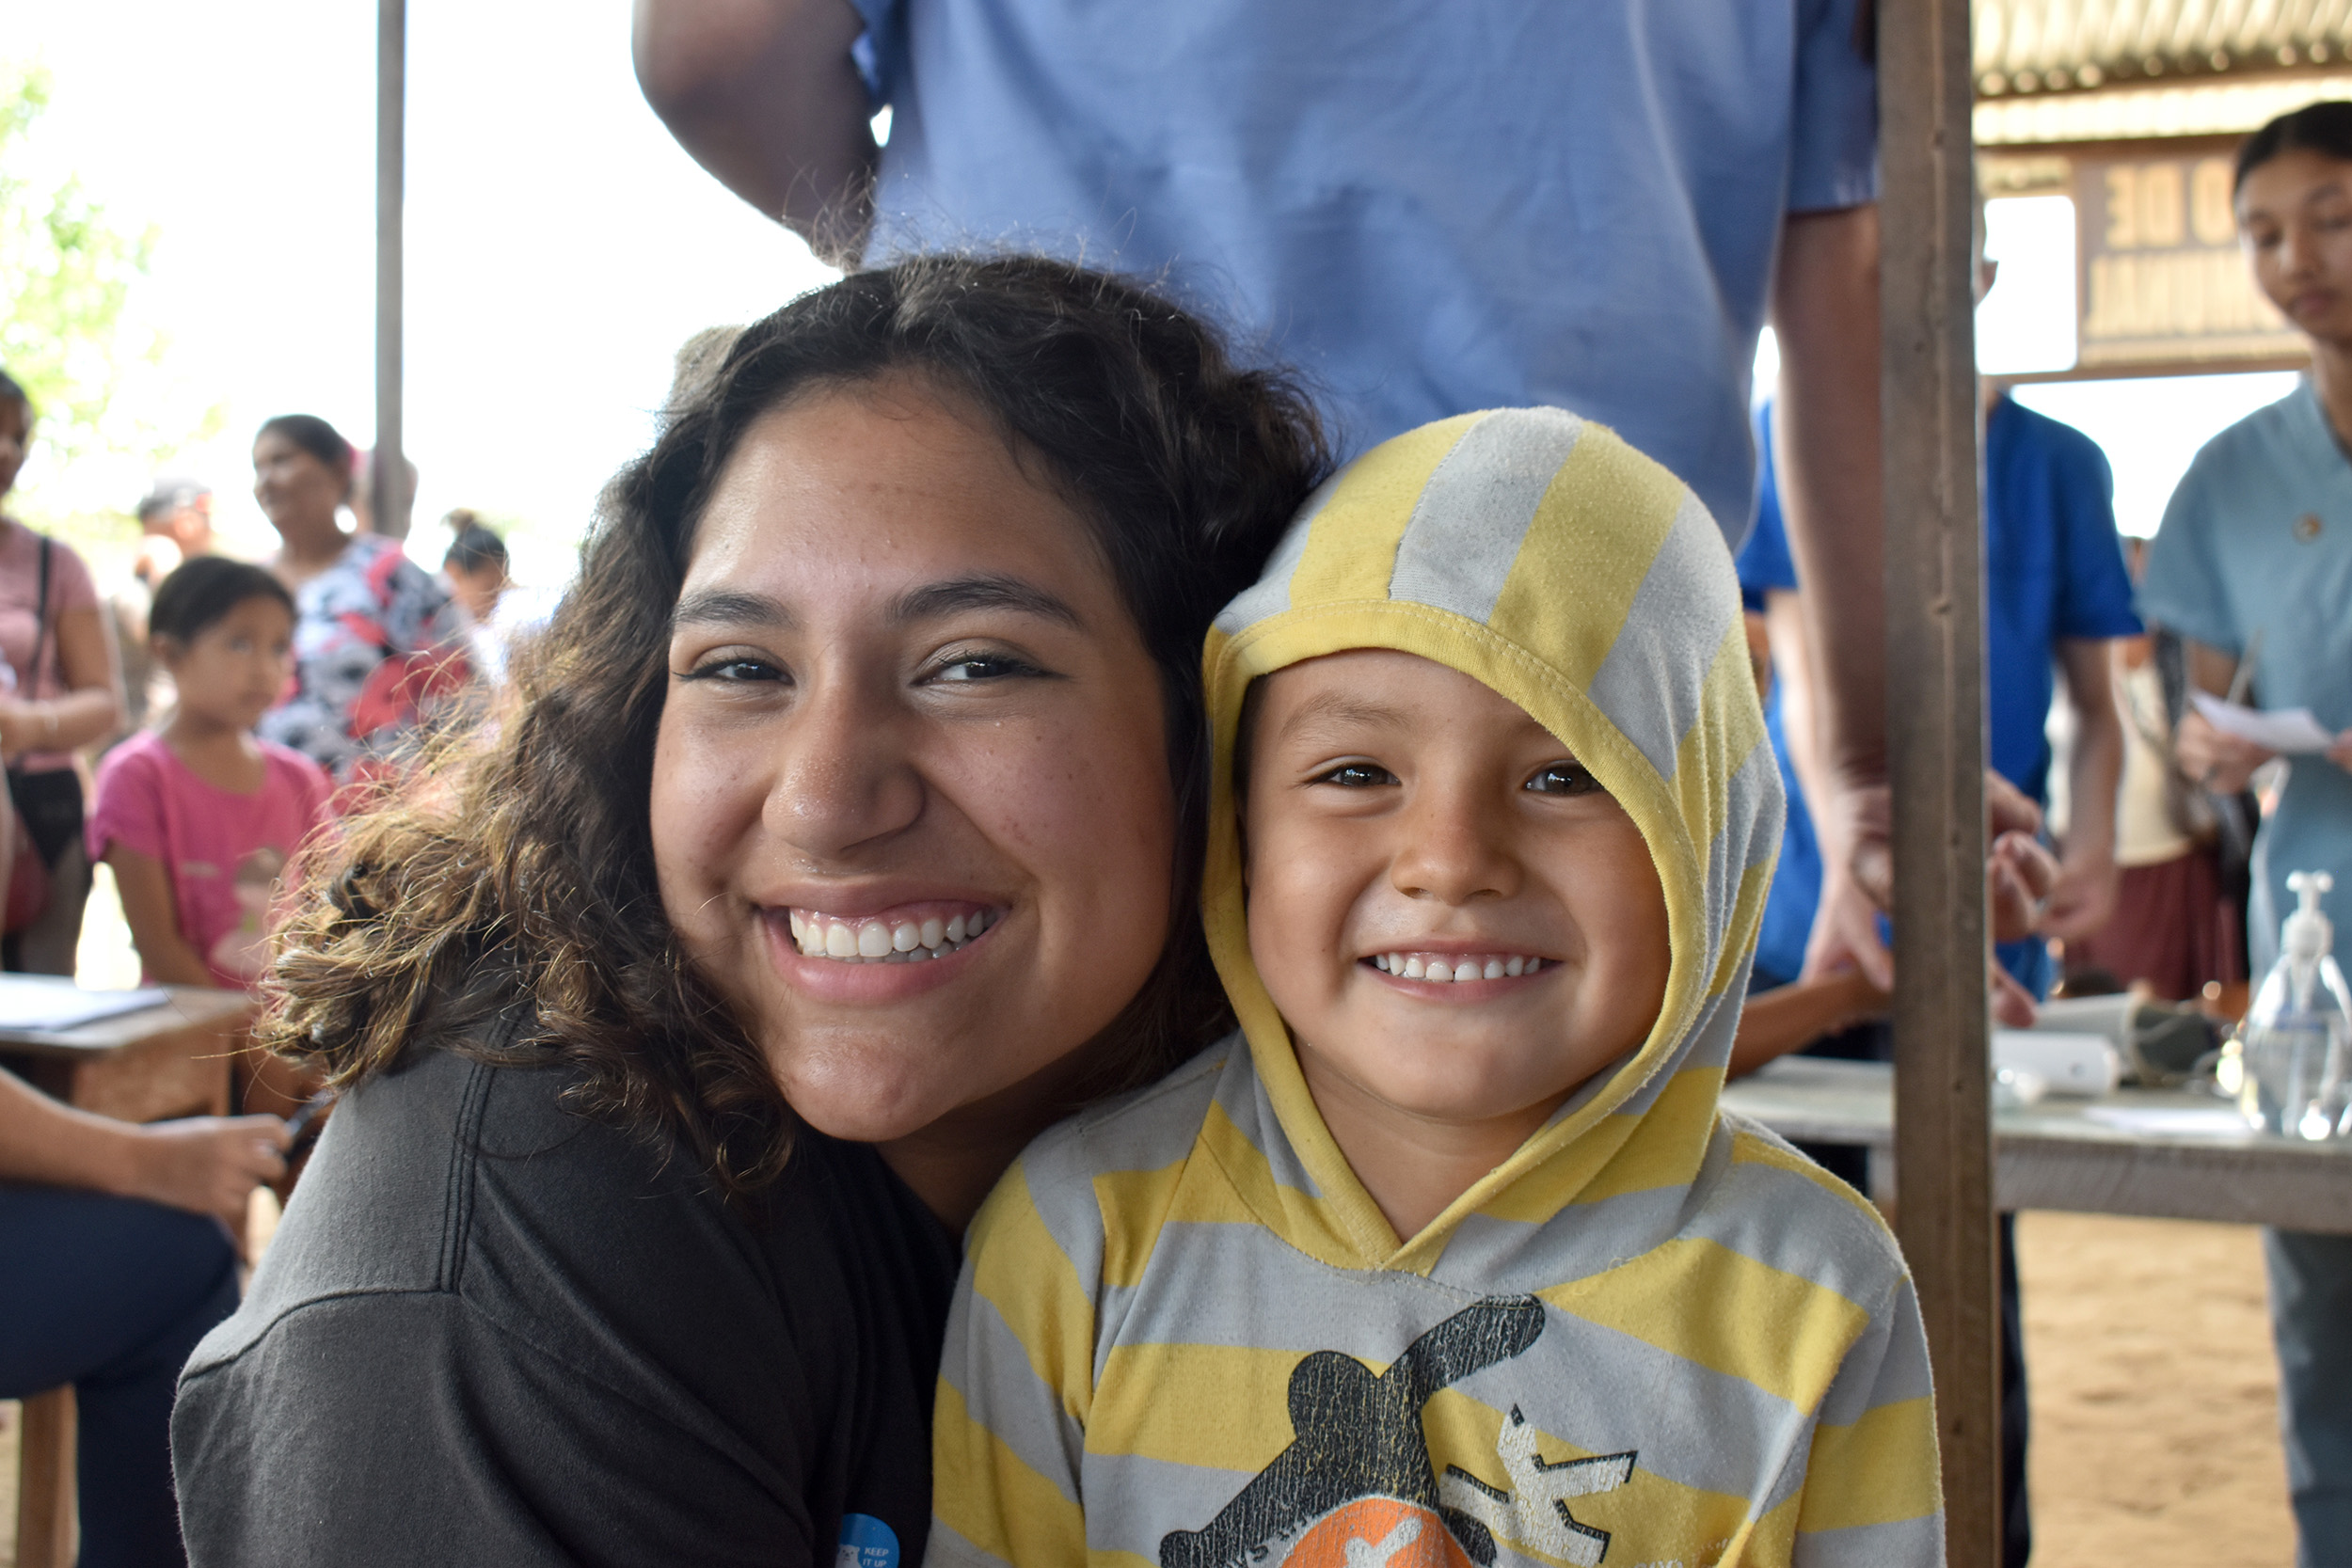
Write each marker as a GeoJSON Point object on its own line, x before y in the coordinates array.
{"type": "Point", "coordinates": [110, 1294]}
{"type": "Point", "coordinates": [2311, 1314]}
{"type": "Point", "coordinates": [1873, 1042]}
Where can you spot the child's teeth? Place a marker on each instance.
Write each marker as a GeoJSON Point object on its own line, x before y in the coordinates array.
{"type": "Point", "coordinates": [1454, 970]}
{"type": "Point", "coordinates": [933, 933]}
{"type": "Point", "coordinates": [904, 937]}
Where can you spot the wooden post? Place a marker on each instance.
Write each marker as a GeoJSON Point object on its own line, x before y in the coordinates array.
{"type": "Point", "coordinates": [1936, 743]}
{"type": "Point", "coordinates": [388, 488]}
{"type": "Point", "coordinates": [45, 1522]}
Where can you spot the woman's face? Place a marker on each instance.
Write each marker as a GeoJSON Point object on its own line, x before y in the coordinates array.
{"type": "Point", "coordinates": [2295, 217]}
{"type": "Point", "coordinates": [295, 490]}
{"type": "Point", "coordinates": [911, 804]}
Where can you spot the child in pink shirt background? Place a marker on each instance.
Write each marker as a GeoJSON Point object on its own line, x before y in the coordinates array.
{"type": "Point", "coordinates": [199, 817]}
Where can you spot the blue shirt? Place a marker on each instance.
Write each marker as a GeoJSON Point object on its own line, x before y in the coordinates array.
{"type": "Point", "coordinates": [1428, 208]}
{"type": "Point", "coordinates": [2054, 569]}
{"type": "Point", "coordinates": [2259, 537]}
{"type": "Point", "coordinates": [1765, 565]}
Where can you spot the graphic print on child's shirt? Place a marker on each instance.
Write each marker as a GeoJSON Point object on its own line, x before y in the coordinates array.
{"type": "Point", "coordinates": [1356, 1488]}
{"type": "Point", "coordinates": [242, 950]}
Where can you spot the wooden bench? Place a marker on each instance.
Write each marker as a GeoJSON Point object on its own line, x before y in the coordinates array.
{"type": "Point", "coordinates": [165, 1061]}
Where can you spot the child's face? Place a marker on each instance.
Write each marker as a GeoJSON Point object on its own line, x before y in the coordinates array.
{"type": "Point", "coordinates": [234, 669]}
{"type": "Point", "coordinates": [1401, 813]}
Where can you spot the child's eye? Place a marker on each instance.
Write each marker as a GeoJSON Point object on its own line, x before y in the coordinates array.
{"type": "Point", "coordinates": [1357, 775]}
{"type": "Point", "coordinates": [1564, 777]}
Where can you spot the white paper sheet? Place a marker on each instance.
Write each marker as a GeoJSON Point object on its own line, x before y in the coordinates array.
{"type": "Point", "coordinates": [38, 1002]}
{"type": "Point", "coordinates": [2289, 730]}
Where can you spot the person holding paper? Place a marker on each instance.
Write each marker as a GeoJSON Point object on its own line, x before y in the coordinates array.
{"type": "Point", "coordinates": [2253, 566]}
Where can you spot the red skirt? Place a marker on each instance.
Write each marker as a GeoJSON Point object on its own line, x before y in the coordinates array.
{"type": "Point", "coordinates": [2171, 929]}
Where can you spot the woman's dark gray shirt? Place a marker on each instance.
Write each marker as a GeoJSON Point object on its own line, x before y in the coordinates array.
{"type": "Point", "coordinates": [491, 1331]}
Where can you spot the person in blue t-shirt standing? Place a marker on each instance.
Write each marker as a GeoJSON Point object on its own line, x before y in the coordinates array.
{"type": "Point", "coordinates": [1428, 209]}
{"type": "Point", "coordinates": [2057, 596]}
{"type": "Point", "coordinates": [2253, 567]}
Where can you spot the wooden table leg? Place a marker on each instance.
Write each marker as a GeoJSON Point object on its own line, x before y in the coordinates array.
{"type": "Point", "coordinates": [44, 1495]}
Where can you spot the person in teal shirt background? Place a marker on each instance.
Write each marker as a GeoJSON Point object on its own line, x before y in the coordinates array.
{"type": "Point", "coordinates": [2253, 564]}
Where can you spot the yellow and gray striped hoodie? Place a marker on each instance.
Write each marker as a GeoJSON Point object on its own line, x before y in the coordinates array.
{"type": "Point", "coordinates": [1186, 1335]}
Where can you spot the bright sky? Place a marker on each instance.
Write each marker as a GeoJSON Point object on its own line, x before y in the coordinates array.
{"type": "Point", "coordinates": [559, 245]}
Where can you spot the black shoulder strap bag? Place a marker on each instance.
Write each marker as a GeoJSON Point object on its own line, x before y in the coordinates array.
{"type": "Point", "coordinates": [49, 803]}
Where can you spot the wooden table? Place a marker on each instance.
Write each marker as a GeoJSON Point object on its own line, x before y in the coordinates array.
{"type": "Point", "coordinates": [2136, 1152]}
{"type": "Point", "coordinates": [171, 1060]}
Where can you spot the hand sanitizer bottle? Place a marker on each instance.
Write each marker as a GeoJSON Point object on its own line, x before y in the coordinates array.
{"type": "Point", "coordinates": [2293, 1045]}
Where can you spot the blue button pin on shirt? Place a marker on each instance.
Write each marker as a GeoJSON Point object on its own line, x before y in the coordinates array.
{"type": "Point", "coordinates": [866, 1542]}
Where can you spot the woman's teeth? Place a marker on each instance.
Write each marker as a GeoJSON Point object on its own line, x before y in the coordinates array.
{"type": "Point", "coordinates": [1456, 966]}
{"type": "Point", "coordinates": [887, 941]}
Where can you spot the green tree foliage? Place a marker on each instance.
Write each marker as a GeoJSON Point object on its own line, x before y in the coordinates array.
{"type": "Point", "coordinates": [68, 332]}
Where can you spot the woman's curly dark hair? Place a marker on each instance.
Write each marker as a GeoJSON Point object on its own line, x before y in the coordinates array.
{"type": "Point", "coordinates": [504, 904]}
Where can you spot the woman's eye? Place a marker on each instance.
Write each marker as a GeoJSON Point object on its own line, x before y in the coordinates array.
{"type": "Point", "coordinates": [982, 667]}
{"type": "Point", "coordinates": [1357, 775]}
{"type": "Point", "coordinates": [734, 668]}
{"type": "Point", "coordinates": [1564, 777]}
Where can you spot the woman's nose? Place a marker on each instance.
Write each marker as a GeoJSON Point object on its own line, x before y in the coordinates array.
{"type": "Point", "coordinates": [1453, 849]}
{"type": "Point", "coordinates": [845, 779]}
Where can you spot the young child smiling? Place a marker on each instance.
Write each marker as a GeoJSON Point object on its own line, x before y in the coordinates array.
{"type": "Point", "coordinates": [1449, 1256]}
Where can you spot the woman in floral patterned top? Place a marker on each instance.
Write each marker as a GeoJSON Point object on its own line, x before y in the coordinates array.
{"type": "Point", "coordinates": [378, 641]}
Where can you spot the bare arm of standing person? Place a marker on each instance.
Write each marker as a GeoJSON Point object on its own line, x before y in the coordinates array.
{"type": "Point", "coordinates": [2083, 897]}
{"type": "Point", "coordinates": [91, 707]}
{"type": "Point", "coordinates": [764, 95]}
{"type": "Point", "coordinates": [1825, 433]}
{"type": "Point", "coordinates": [153, 917]}
{"type": "Point", "coordinates": [205, 1165]}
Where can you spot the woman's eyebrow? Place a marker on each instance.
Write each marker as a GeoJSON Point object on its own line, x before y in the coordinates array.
{"type": "Point", "coordinates": [958, 594]}
{"type": "Point", "coordinates": [729, 606]}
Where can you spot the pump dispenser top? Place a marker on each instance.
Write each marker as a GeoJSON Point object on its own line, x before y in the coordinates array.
{"type": "Point", "coordinates": [2307, 933]}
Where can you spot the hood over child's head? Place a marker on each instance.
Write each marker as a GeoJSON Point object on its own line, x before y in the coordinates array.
{"type": "Point", "coordinates": [1508, 797]}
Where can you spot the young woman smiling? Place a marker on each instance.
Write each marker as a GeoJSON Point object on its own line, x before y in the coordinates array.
{"type": "Point", "coordinates": [845, 834]}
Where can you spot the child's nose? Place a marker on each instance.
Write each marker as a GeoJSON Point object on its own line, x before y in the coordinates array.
{"type": "Point", "coordinates": [1454, 850]}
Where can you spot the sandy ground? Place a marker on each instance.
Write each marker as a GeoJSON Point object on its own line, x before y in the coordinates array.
{"type": "Point", "coordinates": [2156, 1440]}
{"type": "Point", "coordinates": [2155, 1436]}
